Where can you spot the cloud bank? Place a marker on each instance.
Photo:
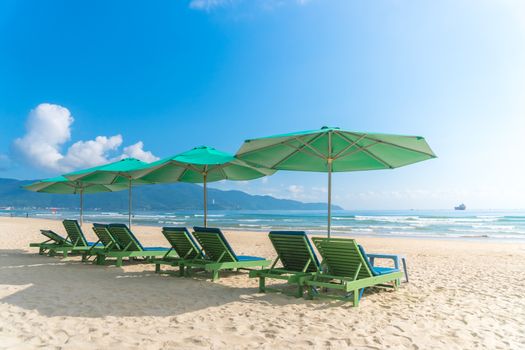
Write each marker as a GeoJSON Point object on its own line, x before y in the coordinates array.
{"type": "Point", "coordinates": [48, 128]}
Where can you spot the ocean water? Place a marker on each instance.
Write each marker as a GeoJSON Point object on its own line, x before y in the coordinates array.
{"type": "Point", "coordinates": [469, 224]}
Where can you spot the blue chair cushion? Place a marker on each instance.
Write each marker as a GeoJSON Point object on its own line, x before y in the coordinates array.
{"type": "Point", "coordinates": [384, 270]}
{"type": "Point", "coordinates": [248, 258]}
{"type": "Point", "coordinates": [91, 244]}
{"type": "Point", "coordinates": [149, 249]}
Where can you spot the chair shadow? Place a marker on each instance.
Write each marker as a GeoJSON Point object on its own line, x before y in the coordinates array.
{"type": "Point", "coordinates": [68, 287]}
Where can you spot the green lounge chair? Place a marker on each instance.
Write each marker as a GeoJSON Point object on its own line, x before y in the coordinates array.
{"type": "Point", "coordinates": [219, 255]}
{"type": "Point", "coordinates": [297, 258]}
{"type": "Point", "coordinates": [105, 237]}
{"type": "Point", "coordinates": [104, 243]}
{"type": "Point", "coordinates": [348, 270]}
{"type": "Point", "coordinates": [54, 240]}
{"type": "Point", "coordinates": [128, 246]}
{"type": "Point", "coordinates": [183, 244]}
{"type": "Point", "coordinates": [74, 243]}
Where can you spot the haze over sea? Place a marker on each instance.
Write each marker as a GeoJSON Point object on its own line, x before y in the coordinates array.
{"type": "Point", "coordinates": [470, 224]}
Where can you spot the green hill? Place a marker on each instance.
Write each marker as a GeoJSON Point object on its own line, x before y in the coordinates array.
{"type": "Point", "coordinates": [178, 196]}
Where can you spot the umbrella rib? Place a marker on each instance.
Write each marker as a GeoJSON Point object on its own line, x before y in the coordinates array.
{"type": "Point", "coordinates": [395, 145]}
{"type": "Point", "coordinates": [183, 173]}
{"type": "Point", "coordinates": [365, 150]}
{"type": "Point", "coordinates": [352, 144]}
{"type": "Point", "coordinates": [221, 169]}
{"type": "Point", "coordinates": [267, 146]}
{"type": "Point", "coordinates": [299, 149]}
{"type": "Point", "coordinates": [308, 144]}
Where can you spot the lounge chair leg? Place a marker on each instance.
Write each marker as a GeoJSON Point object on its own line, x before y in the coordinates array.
{"type": "Point", "coordinates": [157, 268]}
{"type": "Point", "coordinates": [64, 254]}
{"type": "Point", "coordinates": [262, 283]}
{"type": "Point", "coordinates": [403, 260]}
{"type": "Point", "coordinates": [41, 251]}
{"type": "Point", "coordinates": [119, 262]}
{"type": "Point", "coordinates": [300, 291]}
{"type": "Point", "coordinates": [181, 270]}
{"type": "Point", "coordinates": [100, 260]}
{"type": "Point", "coordinates": [356, 297]}
{"type": "Point", "coordinates": [215, 275]}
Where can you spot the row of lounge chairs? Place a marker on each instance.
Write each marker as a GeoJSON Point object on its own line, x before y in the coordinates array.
{"type": "Point", "coordinates": [344, 273]}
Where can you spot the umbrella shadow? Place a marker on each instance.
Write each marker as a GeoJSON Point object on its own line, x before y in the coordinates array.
{"type": "Point", "coordinates": [67, 287]}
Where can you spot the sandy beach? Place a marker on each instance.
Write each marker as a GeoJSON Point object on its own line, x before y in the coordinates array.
{"type": "Point", "coordinates": [461, 295]}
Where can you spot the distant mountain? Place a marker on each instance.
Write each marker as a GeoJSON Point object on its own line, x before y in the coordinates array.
{"type": "Point", "coordinates": [177, 196]}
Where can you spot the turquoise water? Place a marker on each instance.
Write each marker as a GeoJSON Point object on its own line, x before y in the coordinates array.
{"type": "Point", "coordinates": [501, 225]}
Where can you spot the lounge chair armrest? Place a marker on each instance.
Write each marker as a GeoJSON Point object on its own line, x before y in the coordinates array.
{"type": "Point", "coordinates": [372, 257]}
{"type": "Point", "coordinates": [396, 258]}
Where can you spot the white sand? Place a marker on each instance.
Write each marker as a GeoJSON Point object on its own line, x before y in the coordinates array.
{"type": "Point", "coordinates": [461, 295]}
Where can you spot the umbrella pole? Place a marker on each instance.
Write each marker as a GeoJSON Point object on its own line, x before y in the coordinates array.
{"type": "Point", "coordinates": [129, 204]}
{"type": "Point", "coordinates": [329, 163]}
{"type": "Point", "coordinates": [329, 197]}
{"type": "Point", "coordinates": [205, 202]}
{"type": "Point", "coordinates": [81, 207]}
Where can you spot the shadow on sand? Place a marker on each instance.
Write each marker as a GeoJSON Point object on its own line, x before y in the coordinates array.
{"type": "Point", "coordinates": [69, 287]}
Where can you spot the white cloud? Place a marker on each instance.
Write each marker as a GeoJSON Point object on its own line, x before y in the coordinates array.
{"type": "Point", "coordinates": [296, 191]}
{"type": "Point", "coordinates": [208, 5]}
{"type": "Point", "coordinates": [90, 153]}
{"type": "Point", "coordinates": [137, 151]}
{"type": "Point", "coordinates": [48, 128]}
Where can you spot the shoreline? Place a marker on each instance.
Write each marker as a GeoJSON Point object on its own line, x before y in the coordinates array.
{"type": "Point", "coordinates": [477, 239]}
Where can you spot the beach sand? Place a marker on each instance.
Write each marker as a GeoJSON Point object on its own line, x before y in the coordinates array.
{"type": "Point", "coordinates": [461, 295]}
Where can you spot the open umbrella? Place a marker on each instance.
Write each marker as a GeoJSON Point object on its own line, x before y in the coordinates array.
{"type": "Point", "coordinates": [116, 173]}
{"type": "Point", "coordinates": [62, 185]}
{"type": "Point", "coordinates": [331, 149]}
{"type": "Point", "coordinates": [200, 165]}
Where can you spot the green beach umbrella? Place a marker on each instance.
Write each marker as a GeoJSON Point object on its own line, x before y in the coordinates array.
{"type": "Point", "coordinates": [62, 185]}
{"type": "Point", "coordinates": [331, 149]}
{"type": "Point", "coordinates": [200, 165]}
{"type": "Point", "coordinates": [116, 173]}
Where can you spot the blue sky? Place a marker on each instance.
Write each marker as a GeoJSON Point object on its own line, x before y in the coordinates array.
{"type": "Point", "coordinates": [89, 81]}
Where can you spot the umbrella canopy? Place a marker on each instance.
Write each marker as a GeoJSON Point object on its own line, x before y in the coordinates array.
{"type": "Point", "coordinates": [116, 173]}
{"type": "Point", "coordinates": [331, 149]}
{"type": "Point", "coordinates": [61, 185]}
{"type": "Point", "coordinates": [200, 165]}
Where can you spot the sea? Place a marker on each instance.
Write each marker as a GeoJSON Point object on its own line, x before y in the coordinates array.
{"type": "Point", "coordinates": [506, 225]}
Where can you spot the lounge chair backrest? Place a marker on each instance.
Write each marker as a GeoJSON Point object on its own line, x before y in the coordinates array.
{"type": "Point", "coordinates": [343, 257]}
{"type": "Point", "coordinates": [182, 242]}
{"type": "Point", "coordinates": [214, 244]}
{"type": "Point", "coordinates": [103, 234]}
{"type": "Point", "coordinates": [55, 237]}
{"type": "Point", "coordinates": [74, 233]}
{"type": "Point", "coordinates": [125, 238]}
{"type": "Point", "coordinates": [295, 251]}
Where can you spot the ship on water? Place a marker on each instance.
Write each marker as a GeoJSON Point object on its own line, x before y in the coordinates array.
{"type": "Point", "coordinates": [460, 207]}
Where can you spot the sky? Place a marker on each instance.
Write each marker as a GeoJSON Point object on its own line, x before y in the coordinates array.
{"type": "Point", "coordinates": [87, 82]}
